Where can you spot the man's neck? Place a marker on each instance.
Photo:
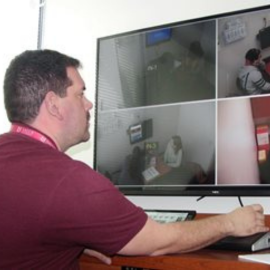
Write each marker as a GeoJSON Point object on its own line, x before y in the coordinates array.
{"type": "Point", "coordinates": [34, 133]}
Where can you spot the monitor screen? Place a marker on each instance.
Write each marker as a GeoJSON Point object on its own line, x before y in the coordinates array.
{"type": "Point", "coordinates": [171, 118]}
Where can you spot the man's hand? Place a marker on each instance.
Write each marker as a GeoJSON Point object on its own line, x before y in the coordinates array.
{"type": "Point", "coordinates": [247, 220]}
{"type": "Point", "coordinates": [105, 259]}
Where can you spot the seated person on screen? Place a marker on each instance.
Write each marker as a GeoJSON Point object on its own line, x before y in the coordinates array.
{"type": "Point", "coordinates": [131, 173]}
{"type": "Point", "coordinates": [174, 152]}
{"type": "Point", "coordinates": [53, 207]}
{"type": "Point", "coordinates": [250, 77]}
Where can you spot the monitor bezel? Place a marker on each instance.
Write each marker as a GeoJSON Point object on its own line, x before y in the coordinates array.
{"type": "Point", "coordinates": [194, 190]}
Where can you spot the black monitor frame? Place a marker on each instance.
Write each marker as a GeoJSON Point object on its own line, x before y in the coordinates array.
{"type": "Point", "coordinates": [198, 190]}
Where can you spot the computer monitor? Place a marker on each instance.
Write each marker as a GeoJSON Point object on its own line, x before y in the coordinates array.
{"type": "Point", "coordinates": [182, 96]}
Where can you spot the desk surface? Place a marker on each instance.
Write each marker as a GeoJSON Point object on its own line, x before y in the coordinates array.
{"type": "Point", "coordinates": [189, 173]}
{"type": "Point", "coordinates": [203, 259]}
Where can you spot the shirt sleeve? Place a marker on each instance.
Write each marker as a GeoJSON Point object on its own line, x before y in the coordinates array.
{"type": "Point", "coordinates": [259, 81]}
{"type": "Point", "coordinates": [87, 210]}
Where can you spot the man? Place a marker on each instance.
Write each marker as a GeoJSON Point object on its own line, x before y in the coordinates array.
{"type": "Point", "coordinates": [250, 76]}
{"type": "Point", "coordinates": [52, 207]}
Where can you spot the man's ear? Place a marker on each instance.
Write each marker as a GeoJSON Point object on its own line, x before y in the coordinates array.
{"type": "Point", "coordinates": [52, 104]}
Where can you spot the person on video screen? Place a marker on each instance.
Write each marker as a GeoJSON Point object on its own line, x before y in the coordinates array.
{"type": "Point", "coordinates": [194, 60]}
{"type": "Point", "coordinates": [250, 77]}
{"type": "Point", "coordinates": [174, 153]}
{"type": "Point", "coordinates": [131, 173]}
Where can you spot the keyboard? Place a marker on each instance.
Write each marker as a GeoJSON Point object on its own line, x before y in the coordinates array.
{"type": "Point", "coordinates": [255, 242]}
{"type": "Point", "coordinates": [167, 216]}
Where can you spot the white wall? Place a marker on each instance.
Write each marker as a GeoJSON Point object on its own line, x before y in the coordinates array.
{"type": "Point", "coordinates": [197, 133]}
{"type": "Point", "coordinates": [242, 147]}
{"type": "Point", "coordinates": [18, 29]}
{"type": "Point", "coordinates": [72, 26]}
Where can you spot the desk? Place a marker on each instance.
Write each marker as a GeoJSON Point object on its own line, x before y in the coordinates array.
{"type": "Point", "coordinates": [203, 259]}
{"type": "Point", "coordinates": [188, 173]}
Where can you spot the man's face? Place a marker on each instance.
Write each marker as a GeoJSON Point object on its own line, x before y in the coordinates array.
{"type": "Point", "coordinates": [76, 109]}
{"type": "Point", "coordinates": [258, 61]}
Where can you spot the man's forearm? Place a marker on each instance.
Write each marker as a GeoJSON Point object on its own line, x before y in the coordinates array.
{"type": "Point", "coordinates": [194, 235]}
{"type": "Point", "coordinates": [179, 237]}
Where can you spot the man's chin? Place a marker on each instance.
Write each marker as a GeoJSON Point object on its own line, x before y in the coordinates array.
{"type": "Point", "coordinates": [86, 137]}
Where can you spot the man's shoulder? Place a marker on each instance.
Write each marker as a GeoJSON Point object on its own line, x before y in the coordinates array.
{"type": "Point", "coordinates": [250, 71]}
{"type": "Point", "coordinates": [255, 73]}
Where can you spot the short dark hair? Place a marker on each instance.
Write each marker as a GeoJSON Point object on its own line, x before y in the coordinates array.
{"type": "Point", "coordinates": [253, 54]}
{"type": "Point", "coordinates": [195, 50]}
{"type": "Point", "coordinates": [29, 77]}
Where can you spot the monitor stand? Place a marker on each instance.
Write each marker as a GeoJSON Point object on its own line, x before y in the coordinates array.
{"type": "Point", "coordinates": [251, 243]}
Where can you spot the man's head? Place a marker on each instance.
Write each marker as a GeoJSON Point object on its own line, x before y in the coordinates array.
{"type": "Point", "coordinates": [29, 77]}
{"type": "Point", "coordinates": [195, 50]}
{"type": "Point", "coordinates": [43, 88]}
{"type": "Point", "coordinates": [253, 56]}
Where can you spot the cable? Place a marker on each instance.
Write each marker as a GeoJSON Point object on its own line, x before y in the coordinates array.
{"type": "Point", "coordinates": [200, 198]}
{"type": "Point", "coordinates": [240, 201]}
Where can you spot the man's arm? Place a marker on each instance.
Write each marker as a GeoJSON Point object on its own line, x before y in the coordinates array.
{"type": "Point", "coordinates": [259, 81]}
{"type": "Point", "coordinates": [159, 239]}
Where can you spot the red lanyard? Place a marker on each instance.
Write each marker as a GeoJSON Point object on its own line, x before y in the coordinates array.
{"type": "Point", "coordinates": [33, 134]}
